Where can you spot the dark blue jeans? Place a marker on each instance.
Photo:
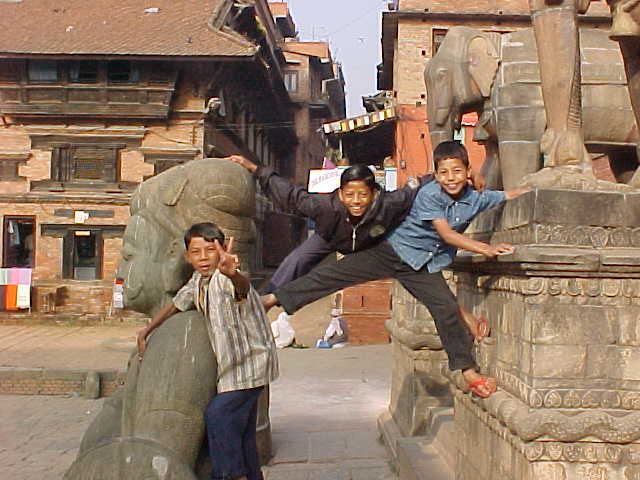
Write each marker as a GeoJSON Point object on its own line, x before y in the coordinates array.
{"type": "Point", "coordinates": [231, 428]}
{"type": "Point", "coordinates": [299, 262]}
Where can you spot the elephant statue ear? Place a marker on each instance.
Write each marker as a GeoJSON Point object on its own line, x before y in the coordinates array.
{"type": "Point", "coordinates": [444, 97]}
{"type": "Point", "coordinates": [483, 64]}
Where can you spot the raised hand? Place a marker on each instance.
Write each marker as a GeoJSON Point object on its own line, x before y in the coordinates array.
{"type": "Point", "coordinates": [240, 160]}
{"type": "Point", "coordinates": [228, 263]}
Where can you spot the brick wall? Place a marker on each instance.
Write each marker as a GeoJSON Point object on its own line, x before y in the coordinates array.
{"type": "Point", "coordinates": [38, 381]}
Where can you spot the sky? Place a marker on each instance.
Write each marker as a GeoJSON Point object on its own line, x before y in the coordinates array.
{"type": "Point", "coordinates": [353, 28]}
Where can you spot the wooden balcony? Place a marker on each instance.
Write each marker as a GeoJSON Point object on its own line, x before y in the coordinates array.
{"type": "Point", "coordinates": [145, 93]}
{"type": "Point", "coordinates": [94, 100]}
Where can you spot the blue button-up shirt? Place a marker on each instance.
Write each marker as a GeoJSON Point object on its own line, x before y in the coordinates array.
{"type": "Point", "coordinates": [416, 240]}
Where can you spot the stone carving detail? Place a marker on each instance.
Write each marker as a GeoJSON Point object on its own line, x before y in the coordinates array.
{"type": "Point", "coordinates": [570, 399]}
{"type": "Point", "coordinates": [554, 451]}
{"type": "Point", "coordinates": [530, 425]}
{"type": "Point", "coordinates": [571, 235]}
{"type": "Point", "coordinates": [556, 286]}
{"type": "Point", "coordinates": [153, 427]}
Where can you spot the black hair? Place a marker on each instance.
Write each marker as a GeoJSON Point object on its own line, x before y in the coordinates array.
{"type": "Point", "coordinates": [207, 230]}
{"type": "Point", "coordinates": [358, 172]}
{"type": "Point", "coordinates": [450, 149]}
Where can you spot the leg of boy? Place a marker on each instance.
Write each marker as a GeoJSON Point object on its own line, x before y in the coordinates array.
{"type": "Point", "coordinates": [226, 417]}
{"type": "Point", "coordinates": [250, 447]}
{"type": "Point", "coordinates": [299, 262]}
{"type": "Point", "coordinates": [432, 290]}
{"type": "Point", "coordinates": [371, 264]}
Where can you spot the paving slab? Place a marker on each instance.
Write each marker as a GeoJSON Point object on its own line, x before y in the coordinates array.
{"type": "Point", "coordinates": [65, 347]}
{"type": "Point", "coordinates": [323, 409]}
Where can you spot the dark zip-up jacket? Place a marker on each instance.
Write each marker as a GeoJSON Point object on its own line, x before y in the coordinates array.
{"type": "Point", "coordinates": [332, 218]}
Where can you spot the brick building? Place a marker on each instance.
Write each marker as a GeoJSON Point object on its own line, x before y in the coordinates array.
{"type": "Point", "coordinates": [95, 97]}
{"type": "Point", "coordinates": [412, 31]}
{"type": "Point", "coordinates": [316, 87]}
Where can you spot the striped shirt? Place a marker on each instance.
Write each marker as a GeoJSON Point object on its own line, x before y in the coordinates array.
{"type": "Point", "coordinates": [239, 331]}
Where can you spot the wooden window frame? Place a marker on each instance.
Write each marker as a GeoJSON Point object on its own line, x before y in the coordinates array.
{"type": "Point", "coordinates": [437, 37]}
{"type": "Point", "coordinates": [31, 62]}
{"type": "Point", "coordinates": [5, 238]}
{"type": "Point", "coordinates": [63, 165]}
{"type": "Point", "coordinates": [68, 251]}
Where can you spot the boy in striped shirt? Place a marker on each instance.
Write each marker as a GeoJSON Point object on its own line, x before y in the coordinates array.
{"type": "Point", "coordinates": [242, 343]}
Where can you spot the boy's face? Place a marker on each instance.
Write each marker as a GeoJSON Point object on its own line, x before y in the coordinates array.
{"type": "Point", "coordinates": [452, 175]}
{"type": "Point", "coordinates": [356, 196]}
{"type": "Point", "coordinates": [203, 256]}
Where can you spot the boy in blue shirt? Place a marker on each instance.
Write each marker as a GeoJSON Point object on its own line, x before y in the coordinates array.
{"type": "Point", "coordinates": [415, 253]}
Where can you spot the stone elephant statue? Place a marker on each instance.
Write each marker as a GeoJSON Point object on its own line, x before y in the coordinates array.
{"type": "Point", "coordinates": [153, 427]}
{"type": "Point", "coordinates": [498, 77]}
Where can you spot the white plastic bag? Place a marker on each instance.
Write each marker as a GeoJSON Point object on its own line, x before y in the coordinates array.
{"type": "Point", "coordinates": [283, 332]}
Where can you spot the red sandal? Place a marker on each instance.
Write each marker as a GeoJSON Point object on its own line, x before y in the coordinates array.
{"type": "Point", "coordinates": [475, 387]}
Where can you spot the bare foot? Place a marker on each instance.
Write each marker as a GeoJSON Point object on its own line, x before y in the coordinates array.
{"type": "Point", "coordinates": [479, 384]}
{"type": "Point", "coordinates": [269, 301]}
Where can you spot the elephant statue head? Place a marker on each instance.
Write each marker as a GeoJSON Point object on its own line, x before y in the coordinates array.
{"type": "Point", "coordinates": [163, 208]}
{"type": "Point", "coordinates": [458, 79]}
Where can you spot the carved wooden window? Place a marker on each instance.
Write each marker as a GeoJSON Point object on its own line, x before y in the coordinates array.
{"type": "Point", "coordinates": [10, 71]}
{"type": "Point", "coordinates": [84, 72]}
{"type": "Point", "coordinates": [86, 163]}
{"type": "Point", "coordinates": [42, 71]}
{"type": "Point", "coordinates": [437, 37]}
{"type": "Point", "coordinates": [18, 241]}
{"type": "Point", "coordinates": [122, 71]}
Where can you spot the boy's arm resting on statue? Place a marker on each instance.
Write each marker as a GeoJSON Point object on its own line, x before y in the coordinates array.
{"type": "Point", "coordinates": [281, 191]}
{"type": "Point", "coordinates": [515, 193]}
{"type": "Point", "coordinates": [157, 320]}
{"type": "Point", "coordinates": [459, 240]}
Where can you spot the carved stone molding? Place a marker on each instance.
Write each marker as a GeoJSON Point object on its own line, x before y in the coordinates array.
{"type": "Point", "coordinates": [554, 425]}
{"type": "Point", "coordinates": [578, 398]}
{"type": "Point", "coordinates": [553, 451]}
{"type": "Point", "coordinates": [569, 288]}
{"type": "Point", "coordinates": [571, 235]}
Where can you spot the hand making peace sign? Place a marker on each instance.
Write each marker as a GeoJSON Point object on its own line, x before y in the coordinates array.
{"type": "Point", "coordinates": [229, 263]}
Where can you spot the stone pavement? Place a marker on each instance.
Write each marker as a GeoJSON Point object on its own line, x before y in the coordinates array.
{"type": "Point", "coordinates": [323, 414]}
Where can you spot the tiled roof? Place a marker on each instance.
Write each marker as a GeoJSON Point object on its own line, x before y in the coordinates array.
{"type": "Point", "coordinates": [117, 27]}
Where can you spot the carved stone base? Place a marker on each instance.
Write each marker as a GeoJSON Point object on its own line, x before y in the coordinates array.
{"type": "Point", "coordinates": [488, 450]}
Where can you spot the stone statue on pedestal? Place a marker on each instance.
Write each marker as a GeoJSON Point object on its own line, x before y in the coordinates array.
{"type": "Point", "coordinates": [153, 426]}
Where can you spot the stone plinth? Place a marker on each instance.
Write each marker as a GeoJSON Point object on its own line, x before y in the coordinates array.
{"type": "Point", "coordinates": [564, 344]}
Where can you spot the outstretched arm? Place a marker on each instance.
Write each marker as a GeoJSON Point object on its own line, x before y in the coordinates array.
{"type": "Point", "coordinates": [281, 191]}
{"type": "Point", "coordinates": [461, 241]}
{"type": "Point", "coordinates": [516, 192]}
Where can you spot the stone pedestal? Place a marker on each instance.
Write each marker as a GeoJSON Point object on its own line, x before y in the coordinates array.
{"type": "Point", "coordinates": [565, 341]}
